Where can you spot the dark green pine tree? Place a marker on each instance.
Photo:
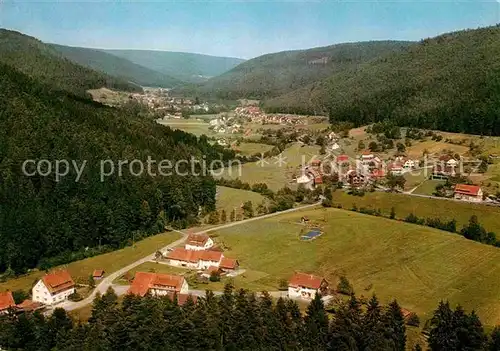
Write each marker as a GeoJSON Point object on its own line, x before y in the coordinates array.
{"type": "Point", "coordinates": [346, 331]}
{"type": "Point", "coordinates": [316, 325]}
{"type": "Point", "coordinates": [373, 327]}
{"type": "Point", "coordinates": [395, 328]}
{"type": "Point", "coordinates": [270, 333]}
{"type": "Point", "coordinates": [58, 326]}
{"type": "Point", "coordinates": [468, 330]}
{"type": "Point", "coordinates": [244, 331]}
{"type": "Point", "coordinates": [442, 336]}
{"type": "Point", "coordinates": [284, 326]}
{"type": "Point", "coordinates": [494, 340]}
{"type": "Point", "coordinates": [296, 325]}
{"type": "Point", "coordinates": [172, 317]}
{"type": "Point", "coordinates": [226, 321]}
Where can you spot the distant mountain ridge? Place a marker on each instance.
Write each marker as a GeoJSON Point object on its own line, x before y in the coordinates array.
{"type": "Point", "coordinates": [41, 61]}
{"type": "Point", "coordinates": [450, 83]}
{"type": "Point", "coordinates": [116, 66]}
{"type": "Point", "coordinates": [275, 74]}
{"type": "Point", "coordinates": [187, 67]}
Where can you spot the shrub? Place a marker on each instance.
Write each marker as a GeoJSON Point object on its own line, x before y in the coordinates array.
{"type": "Point", "coordinates": [344, 286]}
{"type": "Point", "coordinates": [283, 284]}
{"type": "Point", "coordinates": [75, 297]}
{"type": "Point", "coordinates": [215, 276]}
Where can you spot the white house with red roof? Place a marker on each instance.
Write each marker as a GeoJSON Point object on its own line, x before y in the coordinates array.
{"type": "Point", "coordinates": [158, 284]}
{"type": "Point", "coordinates": [198, 242]}
{"type": "Point", "coordinates": [6, 301]}
{"type": "Point", "coordinates": [306, 286]}
{"type": "Point", "coordinates": [472, 193]}
{"type": "Point", "coordinates": [53, 288]}
{"type": "Point", "coordinates": [201, 259]}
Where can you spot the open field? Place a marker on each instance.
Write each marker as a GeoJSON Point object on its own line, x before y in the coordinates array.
{"type": "Point", "coordinates": [270, 172]}
{"type": "Point", "coordinates": [109, 97]}
{"type": "Point", "coordinates": [417, 149]}
{"type": "Point", "coordinates": [110, 262]}
{"type": "Point", "coordinates": [414, 179]}
{"type": "Point", "coordinates": [229, 198]}
{"type": "Point", "coordinates": [417, 265]}
{"type": "Point", "coordinates": [249, 149]}
{"type": "Point", "coordinates": [194, 127]}
{"type": "Point", "coordinates": [428, 187]}
{"type": "Point", "coordinates": [423, 207]}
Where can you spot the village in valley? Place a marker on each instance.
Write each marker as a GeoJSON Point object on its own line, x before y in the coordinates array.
{"type": "Point", "coordinates": [324, 173]}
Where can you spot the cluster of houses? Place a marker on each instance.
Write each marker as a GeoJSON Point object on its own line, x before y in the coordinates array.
{"type": "Point", "coordinates": [312, 175]}
{"type": "Point", "coordinates": [225, 125]}
{"type": "Point", "coordinates": [255, 115]}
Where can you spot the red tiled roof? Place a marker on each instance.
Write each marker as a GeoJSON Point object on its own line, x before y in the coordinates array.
{"type": "Point", "coordinates": [210, 255]}
{"type": "Point", "coordinates": [212, 269]}
{"type": "Point", "coordinates": [98, 273]}
{"type": "Point", "coordinates": [378, 173]}
{"type": "Point", "coordinates": [305, 280]}
{"type": "Point", "coordinates": [143, 281]}
{"type": "Point", "coordinates": [29, 305]}
{"type": "Point", "coordinates": [229, 263]}
{"type": "Point", "coordinates": [367, 153]}
{"type": "Point", "coordinates": [197, 239]}
{"type": "Point", "coordinates": [6, 300]}
{"type": "Point", "coordinates": [318, 179]}
{"type": "Point", "coordinates": [58, 281]}
{"type": "Point", "coordinates": [182, 298]}
{"type": "Point", "coordinates": [181, 254]}
{"type": "Point", "coordinates": [467, 189]}
{"type": "Point", "coordinates": [342, 158]}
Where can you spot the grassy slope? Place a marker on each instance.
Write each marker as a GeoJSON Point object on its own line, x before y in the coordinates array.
{"type": "Point", "coordinates": [184, 66]}
{"type": "Point", "coordinates": [116, 66]}
{"type": "Point", "coordinates": [110, 262]}
{"type": "Point", "coordinates": [278, 73]}
{"type": "Point", "coordinates": [422, 207]}
{"type": "Point", "coordinates": [229, 199]}
{"type": "Point", "coordinates": [41, 61]}
{"type": "Point", "coordinates": [417, 265]}
{"type": "Point", "coordinates": [271, 173]}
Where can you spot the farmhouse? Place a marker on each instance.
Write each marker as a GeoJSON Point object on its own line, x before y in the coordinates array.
{"type": "Point", "coordinates": [396, 168]}
{"type": "Point", "coordinates": [6, 301]}
{"type": "Point", "coordinates": [98, 274]}
{"type": "Point", "coordinates": [466, 192]}
{"type": "Point", "coordinates": [306, 286]}
{"type": "Point", "coordinates": [201, 259]}
{"type": "Point", "coordinates": [198, 242]}
{"type": "Point", "coordinates": [158, 284]}
{"type": "Point", "coordinates": [53, 288]}
{"type": "Point", "coordinates": [367, 157]}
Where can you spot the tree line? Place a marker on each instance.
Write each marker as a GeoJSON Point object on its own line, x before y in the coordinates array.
{"type": "Point", "coordinates": [241, 320]}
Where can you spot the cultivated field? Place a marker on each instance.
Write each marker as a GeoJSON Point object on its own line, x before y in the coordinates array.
{"type": "Point", "coordinates": [428, 187]}
{"type": "Point", "coordinates": [110, 262]}
{"type": "Point", "coordinates": [229, 198]}
{"type": "Point", "coordinates": [417, 265]}
{"type": "Point", "coordinates": [423, 207]}
{"type": "Point", "coordinates": [417, 149]}
{"type": "Point", "coordinates": [249, 149]}
{"type": "Point", "coordinates": [270, 172]}
{"type": "Point", "coordinates": [190, 126]}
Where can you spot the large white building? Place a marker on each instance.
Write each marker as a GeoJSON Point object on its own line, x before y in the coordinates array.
{"type": "Point", "coordinates": [199, 242]}
{"type": "Point", "coordinates": [158, 284]}
{"type": "Point", "coordinates": [53, 288]}
{"type": "Point", "coordinates": [201, 259]}
{"type": "Point", "coordinates": [306, 286]}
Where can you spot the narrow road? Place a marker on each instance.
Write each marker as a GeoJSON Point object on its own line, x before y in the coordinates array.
{"type": "Point", "coordinates": [106, 282]}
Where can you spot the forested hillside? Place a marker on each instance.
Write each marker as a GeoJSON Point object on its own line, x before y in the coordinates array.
{"type": "Point", "coordinates": [40, 61]}
{"type": "Point", "coordinates": [279, 73]}
{"type": "Point", "coordinates": [184, 66]}
{"type": "Point", "coordinates": [41, 218]}
{"type": "Point", "coordinates": [450, 83]}
{"type": "Point", "coordinates": [116, 66]}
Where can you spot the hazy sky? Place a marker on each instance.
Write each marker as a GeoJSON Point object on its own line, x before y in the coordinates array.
{"type": "Point", "coordinates": [239, 28]}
